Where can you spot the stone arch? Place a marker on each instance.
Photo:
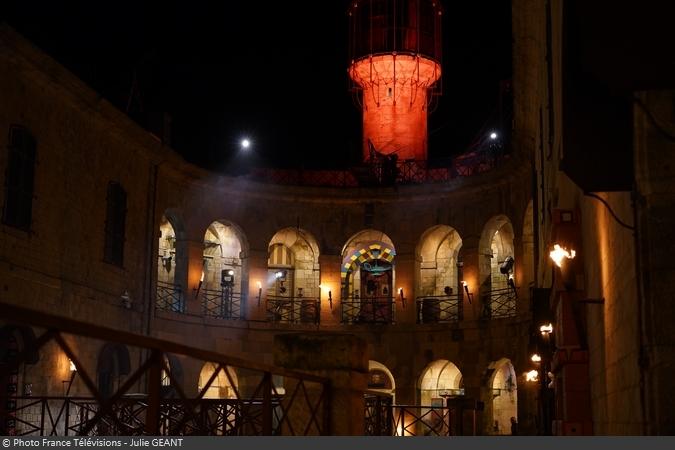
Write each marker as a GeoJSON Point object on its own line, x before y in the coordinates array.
{"type": "Point", "coordinates": [436, 258]}
{"type": "Point", "coordinates": [439, 379]}
{"type": "Point", "coordinates": [168, 389]}
{"type": "Point", "coordinates": [221, 387]}
{"type": "Point", "coordinates": [381, 379]}
{"type": "Point", "coordinates": [495, 246]}
{"type": "Point", "coordinates": [14, 340]}
{"type": "Point", "coordinates": [113, 365]}
{"type": "Point", "coordinates": [502, 403]}
{"type": "Point", "coordinates": [224, 270]}
{"type": "Point", "coordinates": [296, 252]}
{"type": "Point", "coordinates": [368, 277]}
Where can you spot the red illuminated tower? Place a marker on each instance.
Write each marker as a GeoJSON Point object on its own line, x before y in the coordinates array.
{"type": "Point", "coordinates": [395, 62]}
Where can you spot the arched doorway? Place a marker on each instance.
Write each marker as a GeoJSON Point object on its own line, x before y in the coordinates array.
{"type": "Point", "coordinates": [224, 272]}
{"type": "Point", "coordinates": [368, 277]}
{"type": "Point", "coordinates": [293, 277]}
{"type": "Point", "coordinates": [439, 294]}
{"type": "Point", "coordinates": [439, 380]}
{"type": "Point", "coordinates": [380, 379]}
{"type": "Point", "coordinates": [221, 387]}
{"type": "Point", "coordinates": [113, 365]}
{"type": "Point", "coordinates": [496, 269]}
{"type": "Point", "coordinates": [14, 339]}
{"type": "Point", "coordinates": [504, 397]}
{"type": "Point", "coordinates": [171, 264]}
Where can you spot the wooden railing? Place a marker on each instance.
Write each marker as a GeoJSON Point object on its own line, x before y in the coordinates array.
{"type": "Point", "coordinates": [298, 405]}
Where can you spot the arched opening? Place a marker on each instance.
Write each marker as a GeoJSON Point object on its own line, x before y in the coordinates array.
{"type": "Point", "coordinates": [496, 269]}
{"type": "Point", "coordinates": [113, 365]}
{"type": "Point", "coordinates": [220, 387]}
{"type": "Point", "coordinates": [171, 264]}
{"type": "Point", "coordinates": [293, 277]}
{"type": "Point", "coordinates": [224, 272]}
{"type": "Point", "coordinates": [439, 294]}
{"type": "Point", "coordinates": [380, 379]}
{"type": "Point", "coordinates": [440, 379]}
{"type": "Point", "coordinates": [173, 366]}
{"type": "Point", "coordinates": [368, 277]}
{"type": "Point", "coordinates": [14, 339]}
{"type": "Point", "coordinates": [504, 391]}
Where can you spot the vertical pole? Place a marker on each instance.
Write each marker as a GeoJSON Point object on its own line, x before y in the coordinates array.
{"type": "Point", "coordinates": [154, 383]}
{"type": "Point", "coordinates": [267, 404]}
{"type": "Point", "coordinates": [327, 399]}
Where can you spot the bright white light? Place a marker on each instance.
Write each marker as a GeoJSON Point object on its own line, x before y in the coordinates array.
{"type": "Point", "coordinates": [493, 135]}
{"type": "Point", "coordinates": [278, 275]}
{"type": "Point", "coordinates": [558, 253]}
{"type": "Point", "coordinates": [72, 367]}
{"type": "Point", "coordinates": [245, 143]}
{"type": "Point", "coordinates": [546, 329]}
{"type": "Point", "coordinates": [532, 375]}
{"type": "Point", "coordinates": [535, 358]}
{"type": "Point", "coordinates": [230, 272]}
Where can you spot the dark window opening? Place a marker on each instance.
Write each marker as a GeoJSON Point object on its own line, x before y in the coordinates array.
{"type": "Point", "coordinates": [19, 179]}
{"type": "Point", "coordinates": [116, 212]}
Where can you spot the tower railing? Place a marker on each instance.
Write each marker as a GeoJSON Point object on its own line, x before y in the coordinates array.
{"type": "Point", "coordinates": [382, 173]}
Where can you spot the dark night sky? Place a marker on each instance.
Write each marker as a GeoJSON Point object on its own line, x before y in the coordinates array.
{"type": "Point", "coordinates": [275, 71]}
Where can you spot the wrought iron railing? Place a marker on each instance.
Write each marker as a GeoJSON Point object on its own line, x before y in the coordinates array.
{"type": "Point", "coordinates": [499, 303]}
{"type": "Point", "coordinates": [70, 416]}
{"type": "Point", "coordinates": [169, 297]}
{"type": "Point", "coordinates": [383, 173]}
{"type": "Point", "coordinates": [221, 303]}
{"type": "Point", "coordinates": [382, 418]}
{"type": "Point", "coordinates": [439, 308]}
{"type": "Point", "coordinates": [293, 309]}
{"type": "Point", "coordinates": [299, 404]}
{"type": "Point", "coordinates": [368, 310]}
{"type": "Point", "coordinates": [378, 419]}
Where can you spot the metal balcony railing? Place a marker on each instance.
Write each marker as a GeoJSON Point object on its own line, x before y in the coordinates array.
{"type": "Point", "coordinates": [169, 297]}
{"type": "Point", "coordinates": [382, 418]}
{"type": "Point", "coordinates": [368, 310]}
{"type": "Point", "coordinates": [499, 303]}
{"type": "Point", "coordinates": [293, 309]}
{"type": "Point", "coordinates": [221, 303]}
{"type": "Point", "coordinates": [439, 308]}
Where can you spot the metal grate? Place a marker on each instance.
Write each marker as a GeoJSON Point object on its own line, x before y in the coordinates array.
{"type": "Point", "coordinates": [368, 310]}
{"type": "Point", "coordinates": [221, 303]}
{"type": "Point", "coordinates": [169, 297]}
{"type": "Point", "coordinates": [293, 309]}
{"type": "Point", "coordinates": [439, 308]}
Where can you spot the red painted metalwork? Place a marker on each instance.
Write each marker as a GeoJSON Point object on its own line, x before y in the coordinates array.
{"type": "Point", "coordinates": [395, 62]}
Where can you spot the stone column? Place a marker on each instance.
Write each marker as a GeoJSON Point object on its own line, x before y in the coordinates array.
{"type": "Point", "coordinates": [330, 282]}
{"type": "Point", "coordinates": [194, 251]}
{"type": "Point", "coordinates": [257, 285]}
{"type": "Point", "coordinates": [470, 273]}
{"type": "Point", "coordinates": [343, 359]}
